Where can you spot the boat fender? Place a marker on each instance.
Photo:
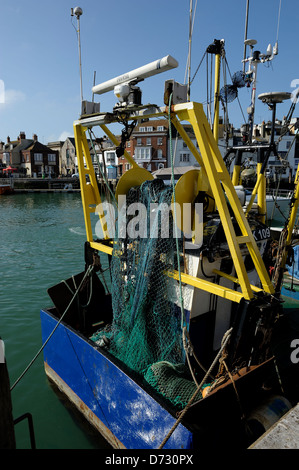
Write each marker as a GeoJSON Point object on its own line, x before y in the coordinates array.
{"type": "Point", "coordinates": [241, 193]}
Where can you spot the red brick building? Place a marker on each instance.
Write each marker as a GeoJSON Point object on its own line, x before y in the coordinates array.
{"type": "Point", "coordinates": [147, 145]}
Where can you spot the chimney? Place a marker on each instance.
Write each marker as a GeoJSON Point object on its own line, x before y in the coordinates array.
{"type": "Point", "coordinates": [8, 139]}
{"type": "Point", "coordinates": [34, 137]}
{"type": "Point", "coordinates": [22, 135]}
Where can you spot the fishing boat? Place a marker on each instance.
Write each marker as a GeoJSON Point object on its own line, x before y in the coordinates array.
{"type": "Point", "coordinates": [168, 337]}
{"type": "Point", "coordinates": [6, 186]}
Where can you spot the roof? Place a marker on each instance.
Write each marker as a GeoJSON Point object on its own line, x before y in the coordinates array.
{"type": "Point", "coordinates": [179, 170]}
{"type": "Point", "coordinates": [23, 145]}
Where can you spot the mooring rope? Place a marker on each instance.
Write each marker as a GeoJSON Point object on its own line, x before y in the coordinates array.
{"type": "Point", "coordinates": [225, 339]}
{"type": "Point", "coordinates": [88, 272]}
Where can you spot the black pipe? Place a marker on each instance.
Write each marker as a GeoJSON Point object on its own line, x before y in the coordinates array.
{"type": "Point", "coordinates": [30, 425]}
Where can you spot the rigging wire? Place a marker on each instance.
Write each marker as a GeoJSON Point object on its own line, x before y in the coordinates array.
{"type": "Point", "coordinates": [278, 21]}
{"type": "Point", "coordinates": [191, 27]}
{"type": "Point", "coordinates": [183, 319]}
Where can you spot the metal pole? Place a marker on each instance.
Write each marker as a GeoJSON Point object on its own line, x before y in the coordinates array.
{"type": "Point", "coordinates": [216, 96]}
{"type": "Point", "coordinates": [245, 36]}
{"type": "Point", "coordinates": [80, 64]}
{"type": "Point", "coordinates": [189, 50]}
{"type": "Point", "coordinates": [255, 62]}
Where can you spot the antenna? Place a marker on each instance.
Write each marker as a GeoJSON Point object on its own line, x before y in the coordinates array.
{"type": "Point", "coordinates": [77, 11]}
{"type": "Point", "coordinates": [245, 35]}
{"type": "Point", "coordinates": [251, 75]}
{"type": "Point", "coordinates": [124, 85]}
{"type": "Point", "coordinates": [136, 75]}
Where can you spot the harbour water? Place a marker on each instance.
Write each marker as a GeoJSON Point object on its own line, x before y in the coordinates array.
{"type": "Point", "coordinates": [42, 242]}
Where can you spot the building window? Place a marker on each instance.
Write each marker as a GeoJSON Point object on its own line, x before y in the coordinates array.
{"type": "Point", "coordinates": [129, 144]}
{"type": "Point", "coordinates": [38, 157]}
{"type": "Point", "coordinates": [184, 157]}
{"type": "Point", "coordinates": [110, 157]}
{"type": "Point", "coordinates": [143, 153]}
{"type": "Point", "coordinates": [148, 141]}
{"type": "Point", "coordinates": [159, 153]}
{"type": "Point", "coordinates": [6, 158]}
{"type": "Point", "coordinates": [138, 141]}
{"type": "Point", "coordinates": [288, 144]}
{"type": "Point", "coordinates": [141, 129]}
{"type": "Point", "coordinates": [160, 140]}
{"type": "Point", "coordinates": [149, 129]}
{"type": "Point", "coordinates": [160, 128]}
{"type": "Point", "coordinates": [52, 157]}
{"type": "Point", "coordinates": [160, 166]}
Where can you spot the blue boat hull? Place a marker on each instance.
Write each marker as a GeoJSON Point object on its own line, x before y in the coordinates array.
{"type": "Point", "coordinates": [122, 411]}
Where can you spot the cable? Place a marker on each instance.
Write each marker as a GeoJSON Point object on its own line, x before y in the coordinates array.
{"type": "Point", "coordinates": [175, 215]}
{"type": "Point", "coordinates": [278, 21]}
{"type": "Point", "coordinates": [88, 271]}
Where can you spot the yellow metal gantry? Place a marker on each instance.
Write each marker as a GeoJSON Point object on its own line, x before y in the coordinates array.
{"type": "Point", "coordinates": [212, 164]}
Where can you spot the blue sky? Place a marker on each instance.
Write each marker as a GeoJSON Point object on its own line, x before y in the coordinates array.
{"type": "Point", "coordinates": [39, 64]}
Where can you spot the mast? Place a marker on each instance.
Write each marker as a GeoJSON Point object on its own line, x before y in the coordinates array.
{"type": "Point", "coordinates": [189, 51]}
{"type": "Point", "coordinates": [216, 94]}
{"type": "Point", "coordinates": [78, 12]}
{"type": "Point", "coordinates": [216, 48]}
{"type": "Point", "coordinates": [245, 35]}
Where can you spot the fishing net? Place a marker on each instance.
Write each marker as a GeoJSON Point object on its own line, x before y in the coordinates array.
{"type": "Point", "coordinates": [146, 332]}
{"type": "Point", "coordinates": [172, 381]}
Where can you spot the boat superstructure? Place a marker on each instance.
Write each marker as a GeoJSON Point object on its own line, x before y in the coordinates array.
{"type": "Point", "coordinates": [178, 351]}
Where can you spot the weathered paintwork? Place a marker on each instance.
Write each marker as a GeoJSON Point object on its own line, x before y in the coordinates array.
{"type": "Point", "coordinates": [116, 405]}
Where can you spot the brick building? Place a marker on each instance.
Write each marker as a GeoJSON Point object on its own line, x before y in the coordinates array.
{"type": "Point", "coordinates": [30, 157]}
{"type": "Point", "coordinates": [147, 145]}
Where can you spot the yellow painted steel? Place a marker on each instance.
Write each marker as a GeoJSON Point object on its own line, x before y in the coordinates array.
{"type": "Point", "coordinates": [261, 195]}
{"type": "Point", "coordinates": [133, 177]}
{"type": "Point", "coordinates": [234, 279]}
{"type": "Point", "coordinates": [236, 175]}
{"type": "Point", "coordinates": [218, 177]}
{"type": "Point", "coordinates": [294, 210]}
{"type": "Point", "coordinates": [254, 192]}
{"type": "Point", "coordinates": [207, 286]}
{"type": "Point", "coordinates": [214, 169]}
{"type": "Point", "coordinates": [101, 247]}
{"type": "Point", "coordinates": [116, 143]}
{"type": "Point", "coordinates": [89, 190]}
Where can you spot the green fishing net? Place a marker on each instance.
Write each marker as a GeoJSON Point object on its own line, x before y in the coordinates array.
{"type": "Point", "coordinates": [146, 331]}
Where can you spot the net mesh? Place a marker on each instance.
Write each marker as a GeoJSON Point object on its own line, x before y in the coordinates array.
{"type": "Point", "coordinates": [146, 330]}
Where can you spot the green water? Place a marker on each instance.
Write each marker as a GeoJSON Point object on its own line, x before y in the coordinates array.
{"type": "Point", "coordinates": [42, 242]}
